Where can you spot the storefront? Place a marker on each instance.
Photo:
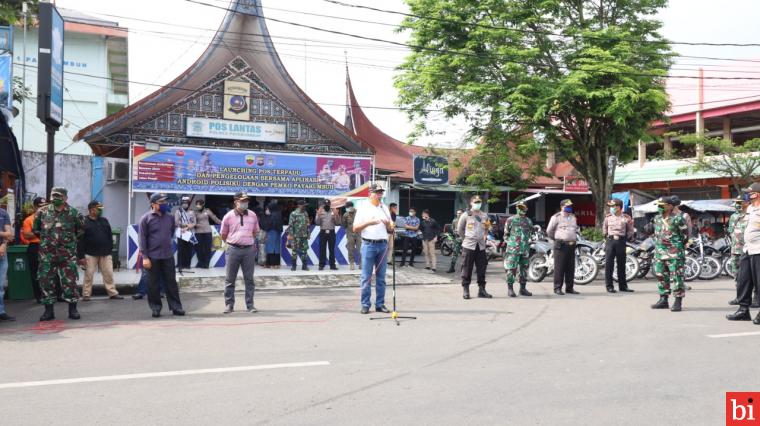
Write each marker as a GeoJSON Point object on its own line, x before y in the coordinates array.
{"type": "Point", "coordinates": [233, 121]}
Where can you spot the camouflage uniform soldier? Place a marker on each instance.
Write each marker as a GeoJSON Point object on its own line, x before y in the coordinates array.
{"type": "Point", "coordinates": [518, 229]}
{"type": "Point", "coordinates": [669, 253]}
{"type": "Point", "coordinates": [59, 227]}
{"type": "Point", "coordinates": [457, 243]}
{"type": "Point", "coordinates": [298, 235]}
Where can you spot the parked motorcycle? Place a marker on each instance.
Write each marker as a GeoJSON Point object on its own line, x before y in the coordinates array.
{"type": "Point", "coordinates": [541, 263]}
{"type": "Point", "coordinates": [447, 240]}
{"type": "Point", "coordinates": [631, 262]}
{"type": "Point", "coordinates": [710, 267]}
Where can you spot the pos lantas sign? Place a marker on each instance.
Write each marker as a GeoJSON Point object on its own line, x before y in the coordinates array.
{"type": "Point", "coordinates": [50, 66]}
{"type": "Point", "coordinates": [431, 170]}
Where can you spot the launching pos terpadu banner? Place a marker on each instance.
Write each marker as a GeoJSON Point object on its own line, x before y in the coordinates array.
{"type": "Point", "coordinates": [206, 171]}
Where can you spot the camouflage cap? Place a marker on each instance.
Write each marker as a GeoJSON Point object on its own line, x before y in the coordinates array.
{"type": "Point", "coordinates": [565, 202]}
{"type": "Point", "coordinates": [59, 190]}
{"type": "Point", "coordinates": [521, 205]}
{"type": "Point", "coordinates": [738, 200]}
{"type": "Point", "coordinates": [615, 202]}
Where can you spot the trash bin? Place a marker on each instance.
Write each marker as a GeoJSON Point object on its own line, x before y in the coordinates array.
{"type": "Point", "coordinates": [19, 274]}
{"type": "Point", "coordinates": [116, 238]}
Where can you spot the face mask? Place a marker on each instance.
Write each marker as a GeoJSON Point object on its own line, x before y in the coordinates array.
{"type": "Point", "coordinates": [661, 210]}
{"type": "Point", "coordinates": [522, 212]}
{"type": "Point", "coordinates": [738, 207]}
{"type": "Point", "coordinates": [567, 209]}
{"type": "Point", "coordinates": [613, 210]}
{"type": "Point", "coordinates": [412, 214]}
{"type": "Point", "coordinates": [351, 209]}
{"type": "Point", "coordinates": [326, 208]}
{"type": "Point", "coordinates": [199, 208]}
{"type": "Point", "coordinates": [476, 206]}
{"type": "Point", "coordinates": [57, 202]}
{"type": "Point", "coordinates": [267, 213]}
{"type": "Point", "coordinates": [99, 213]}
{"type": "Point", "coordinates": [163, 208]}
{"type": "Point", "coordinates": [185, 206]}
{"type": "Point", "coordinates": [243, 205]}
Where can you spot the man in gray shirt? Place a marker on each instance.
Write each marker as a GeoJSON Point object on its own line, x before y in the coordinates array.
{"type": "Point", "coordinates": [473, 226]}
{"type": "Point", "coordinates": [327, 220]}
{"type": "Point", "coordinates": [748, 278]}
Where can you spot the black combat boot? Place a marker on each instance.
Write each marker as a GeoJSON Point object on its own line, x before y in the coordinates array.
{"type": "Point", "coordinates": [73, 313]}
{"type": "Point", "coordinates": [303, 266]}
{"type": "Point", "coordinates": [49, 313]}
{"type": "Point", "coordinates": [511, 290]}
{"type": "Point", "coordinates": [451, 270]}
{"type": "Point", "coordinates": [677, 305]}
{"type": "Point", "coordinates": [294, 264]}
{"type": "Point", "coordinates": [466, 292]}
{"type": "Point", "coordinates": [482, 292]}
{"type": "Point", "coordinates": [662, 303]}
{"type": "Point", "coordinates": [524, 291]}
{"type": "Point", "coordinates": [740, 315]}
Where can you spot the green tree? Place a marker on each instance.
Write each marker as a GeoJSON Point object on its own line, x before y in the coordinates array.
{"type": "Point", "coordinates": [581, 78]}
{"type": "Point", "coordinates": [11, 11]}
{"type": "Point", "coordinates": [721, 156]}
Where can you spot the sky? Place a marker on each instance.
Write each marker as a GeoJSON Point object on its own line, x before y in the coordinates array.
{"type": "Point", "coordinates": [161, 50]}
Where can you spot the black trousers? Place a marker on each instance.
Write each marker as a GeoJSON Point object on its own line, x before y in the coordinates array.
{"type": "Point", "coordinates": [748, 278]}
{"type": "Point", "coordinates": [163, 268]}
{"type": "Point", "coordinates": [474, 258]}
{"type": "Point", "coordinates": [614, 251]}
{"type": "Point", "coordinates": [326, 239]}
{"type": "Point", "coordinates": [203, 249]}
{"type": "Point", "coordinates": [184, 253]}
{"type": "Point", "coordinates": [33, 251]}
{"type": "Point", "coordinates": [564, 265]}
{"type": "Point", "coordinates": [408, 243]}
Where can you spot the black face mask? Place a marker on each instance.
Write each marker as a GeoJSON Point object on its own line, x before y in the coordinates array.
{"type": "Point", "coordinates": [327, 208]}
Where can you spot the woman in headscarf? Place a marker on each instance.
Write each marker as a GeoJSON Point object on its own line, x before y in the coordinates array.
{"type": "Point", "coordinates": [271, 223]}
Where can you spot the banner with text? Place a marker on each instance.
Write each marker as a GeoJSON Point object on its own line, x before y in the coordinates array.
{"type": "Point", "coordinates": [206, 171]}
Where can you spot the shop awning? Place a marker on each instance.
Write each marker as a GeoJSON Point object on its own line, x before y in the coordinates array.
{"type": "Point", "coordinates": [553, 191]}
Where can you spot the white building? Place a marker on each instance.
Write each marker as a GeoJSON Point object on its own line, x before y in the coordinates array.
{"type": "Point", "coordinates": [95, 52]}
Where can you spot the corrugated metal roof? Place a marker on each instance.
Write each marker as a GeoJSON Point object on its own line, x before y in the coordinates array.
{"type": "Point", "coordinates": [658, 171]}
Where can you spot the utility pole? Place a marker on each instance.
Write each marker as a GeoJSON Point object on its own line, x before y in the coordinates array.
{"type": "Point", "coordinates": [24, 11]}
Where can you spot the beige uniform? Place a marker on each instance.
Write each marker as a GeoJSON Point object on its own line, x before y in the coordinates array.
{"type": "Point", "coordinates": [562, 227]}
{"type": "Point", "coordinates": [618, 226]}
{"type": "Point", "coordinates": [473, 229]}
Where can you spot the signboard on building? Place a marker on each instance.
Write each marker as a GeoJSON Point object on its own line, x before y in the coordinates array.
{"type": "Point", "coordinates": [200, 127]}
{"type": "Point", "coordinates": [575, 184]}
{"type": "Point", "coordinates": [431, 170]}
{"type": "Point", "coordinates": [236, 95]}
{"type": "Point", "coordinates": [585, 213]}
{"type": "Point", "coordinates": [6, 80]}
{"type": "Point", "coordinates": [6, 39]}
{"type": "Point", "coordinates": [200, 171]}
{"type": "Point", "coordinates": [50, 66]}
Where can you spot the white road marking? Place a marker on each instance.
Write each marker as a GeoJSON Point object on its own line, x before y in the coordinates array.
{"type": "Point", "coordinates": [161, 374]}
{"type": "Point", "coordinates": [746, 333]}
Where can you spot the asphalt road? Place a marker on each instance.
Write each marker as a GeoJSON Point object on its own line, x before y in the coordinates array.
{"type": "Point", "coordinates": [588, 359]}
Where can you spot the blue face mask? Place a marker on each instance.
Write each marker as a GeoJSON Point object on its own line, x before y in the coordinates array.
{"type": "Point", "coordinates": [164, 208]}
{"type": "Point", "coordinates": [613, 210]}
{"type": "Point", "coordinates": [567, 209]}
{"type": "Point", "coordinates": [746, 196]}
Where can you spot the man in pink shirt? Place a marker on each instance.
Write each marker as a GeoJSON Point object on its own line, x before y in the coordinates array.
{"type": "Point", "coordinates": [239, 229]}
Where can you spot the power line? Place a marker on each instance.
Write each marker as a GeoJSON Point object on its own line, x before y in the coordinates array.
{"type": "Point", "coordinates": [652, 75]}
{"type": "Point", "coordinates": [533, 32]}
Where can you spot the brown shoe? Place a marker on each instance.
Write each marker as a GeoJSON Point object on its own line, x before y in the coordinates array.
{"type": "Point", "coordinates": [116, 297]}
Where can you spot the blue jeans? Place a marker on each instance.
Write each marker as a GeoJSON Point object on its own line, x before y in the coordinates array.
{"type": "Point", "coordinates": [3, 275]}
{"type": "Point", "coordinates": [373, 257]}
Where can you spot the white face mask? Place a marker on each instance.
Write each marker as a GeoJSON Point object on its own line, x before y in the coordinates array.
{"type": "Point", "coordinates": [476, 206]}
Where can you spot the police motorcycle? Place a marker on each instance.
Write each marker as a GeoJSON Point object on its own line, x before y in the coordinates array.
{"type": "Point", "coordinates": [645, 254]}
{"type": "Point", "coordinates": [541, 261]}
{"type": "Point", "coordinates": [597, 251]}
{"type": "Point", "coordinates": [447, 240]}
